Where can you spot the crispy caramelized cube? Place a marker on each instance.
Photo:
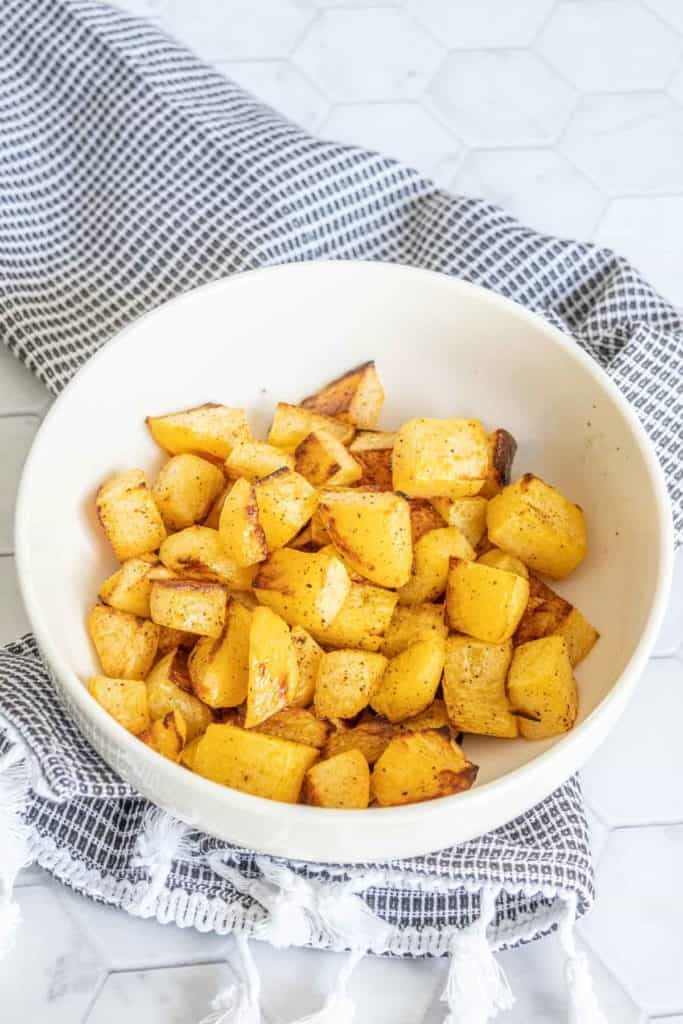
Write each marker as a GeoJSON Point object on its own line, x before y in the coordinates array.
{"type": "Point", "coordinates": [254, 459]}
{"type": "Point", "coordinates": [423, 518]}
{"type": "Point", "coordinates": [411, 623]}
{"type": "Point", "coordinates": [129, 516]}
{"type": "Point", "coordinates": [356, 396]}
{"type": "Point", "coordinates": [420, 766]}
{"type": "Point", "coordinates": [239, 527]}
{"type": "Point", "coordinates": [126, 644]}
{"type": "Point", "coordinates": [219, 668]}
{"type": "Point", "coordinates": [253, 762]}
{"type": "Point", "coordinates": [170, 638]}
{"type": "Point", "coordinates": [549, 614]}
{"type": "Point", "coordinates": [474, 687]}
{"type": "Point", "coordinates": [502, 450]}
{"type": "Point", "coordinates": [304, 539]}
{"type": "Point", "coordinates": [324, 461]}
{"type": "Point", "coordinates": [189, 605]}
{"type": "Point", "coordinates": [185, 489]}
{"type": "Point", "coordinates": [430, 564]}
{"type": "Point", "coordinates": [214, 516]}
{"type": "Point", "coordinates": [167, 735]}
{"type": "Point", "coordinates": [306, 588]}
{"type": "Point", "coordinates": [209, 429]}
{"type": "Point", "coordinates": [188, 753]}
{"type": "Point", "coordinates": [542, 689]}
{"type": "Point", "coordinates": [319, 534]}
{"type": "Point", "coordinates": [411, 680]}
{"type": "Point", "coordinates": [273, 669]}
{"type": "Point", "coordinates": [346, 681]}
{"type": "Point", "coordinates": [308, 655]}
{"type": "Point", "coordinates": [285, 503]}
{"type": "Point", "coordinates": [371, 738]}
{"type": "Point", "coordinates": [447, 458]}
{"type": "Point", "coordinates": [498, 559]}
{"type": "Point", "coordinates": [372, 450]}
{"type": "Point", "coordinates": [128, 588]}
{"type": "Point", "coordinates": [197, 553]}
{"type": "Point", "coordinates": [124, 699]}
{"type": "Point", "coordinates": [297, 725]}
{"type": "Point", "coordinates": [341, 781]}
{"type": "Point", "coordinates": [168, 689]}
{"type": "Point", "coordinates": [371, 531]}
{"type": "Point", "coordinates": [532, 520]}
{"type": "Point", "coordinates": [483, 602]}
{"type": "Point", "coordinates": [362, 619]}
{"type": "Point", "coordinates": [433, 717]}
{"type": "Point", "coordinates": [468, 514]}
{"type": "Point", "coordinates": [291, 424]}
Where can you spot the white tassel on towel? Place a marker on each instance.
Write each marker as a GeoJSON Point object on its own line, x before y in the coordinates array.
{"type": "Point", "coordinates": [476, 988]}
{"type": "Point", "coordinates": [239, 1004]}
{"type": "Point", "coordinates": [583, 1004]}
{"type": "Point", "coordinates": [15, 779]}
{"type": "Point", "coordinates": [339, 1007]}
{"type": "Point", "coordinates": [163, 840]}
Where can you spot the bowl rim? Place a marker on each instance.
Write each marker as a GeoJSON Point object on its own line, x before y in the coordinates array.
{"type": "Point", "coordinates": [235, 800]}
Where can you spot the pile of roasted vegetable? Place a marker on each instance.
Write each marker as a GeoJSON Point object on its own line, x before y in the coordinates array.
{"type": "Point", "coordinates": [320, 616]}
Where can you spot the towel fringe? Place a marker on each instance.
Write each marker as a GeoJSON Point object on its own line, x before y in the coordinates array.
{"type": "Point", "coordinates": [339, 1008]}
{"type": "Point", "coordinates": [15, 854]}
{"type": "Point", "coordinates": [239, 1004]}
{"type": "Point", "coordinates": [583, 1006]}
{"type": "Point", "coordinates": [163, 839]}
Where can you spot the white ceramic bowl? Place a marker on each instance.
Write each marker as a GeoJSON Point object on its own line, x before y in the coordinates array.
{"type": "Point", "coordinates": [443, 348]}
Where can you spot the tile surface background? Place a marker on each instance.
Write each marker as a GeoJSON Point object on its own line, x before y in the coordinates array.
{"type": "Point", "coordinates": [570, 114]}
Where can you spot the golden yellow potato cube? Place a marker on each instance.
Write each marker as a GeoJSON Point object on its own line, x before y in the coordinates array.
{"type": "Point", "coordinates": [167, 735]}
{"type": "Point", "coordinates": [578, 634]}
{"type": "Point", "coordinates": [126, 644]}
{"type": "Point", "coordinates": [372, 450]}
{"type": "Point", "coordinates": [239, 527]}
{"type": "Point", "coordinates": [430, 564]}
{"type": "Point", "coordinates": [285, 503]}
{"type": "Point", "coordinates": [498, 559]}
{"type": "Point", "coordinates": [323, 460]}
{"type": "Point", "coordinates": [411, 680]}
{"type": "Point", "coordinates": [254, 459]}
{"type": "Point", "coordinates": [297, 725]}
{"type": "Point", "coordinates": [170, 638]}
{"type": "Point", "coordinates": [362, 619]}
{"type": "Point", "coordinates": [253, 762]}
{"type": "Point", "coordinates": [474, 687]}
{"type": "Point", "coordinates": [306, 588]}
{"type": "Point", "coordinates": [532, 520]}
{"type": "Point", "coordinates": [168, 689]}
{"type": "Point", "coordinates": [440, 458]}
{"type": "Point", "coordinates": [502, 450]}
{"type": "Point", "coordinates": [185, 489]}
{"type": "Point", "coordinates": [308, 655]}
{"type": "Point", "coordinates": [197, 553]}
{"type": "Point", "coordinates": [484, 602]}
{"type": "Point", "coordinates": [124, 699]}
{"type": "Point", "coordinates": [371, 738]}
{"type": "Point", "coordinates": [291, 424]}
{"type": "Point", "coordinates": [423, 518]}
{"type": "Point", "coordinates": [209, 429]}
{"type": "Point", "coordinates": [346, 681]}
{"type": "Point", "coordinates": [273, 669]}
{"type": "Point", "coordinates": [189, 752]}
{"type": "Point", "coordinates": [371, 531]}
{"type": "Point", "coordinates": [128, 588]}
{"type": "Point", "coordinates": [468, 514]}
{"type": "Point", "coordinates": [420, 766]}
{"type": "Point", "coordinates": [219, 668]}
{"type": "Point", "coordinates": [340, 781]}
{"type": "Point", "coordinates": [411, 623]}
{"type": "Point", "coordinates": [542, 689]}
{"type": "Point", "coordinates": [357, 396]}
{"type": "Point", "coordinates": [319, 535]}
{"type": "Point", "coordinates": [189, 605]}
{"type": "Point", "coordinates": [435, 716]}
{"type": "Point", "coordinates": [129, 516]}
{"type": "Point", "coordinates": [549, 614]}
{"type": "Point", "coordinates": [214, 517]}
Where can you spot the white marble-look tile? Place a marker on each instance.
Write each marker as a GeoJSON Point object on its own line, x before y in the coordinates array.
{"type": "Point", "coordinates": [33, 875]}
{"type": "Point", "coordinates": [670, 637]}
{"type": "Point", "coordinates": [598, 832]}
{"type": "Point", "coordinates": [405, 131]}
{"type": "Point", "coordinates": [501, 97]}
{"type": "Point", "coordinates": [16, 435]}
{"type": "Point", "coordinates": [13, 620]}
{"type": "Point", "coordinates": [51, 973]}
{"type": "Point", "coordinates": [357, 3]}
{"type": "Point", "coordinates": [539, 186]}
{"type": "Point", "coordinates": [375, 54]}
{"type": "Point", "coordinates": [20, 391]}
{"type": "Point", "coordinates": [635, 925]}
{"type": "Point", "coordinates": [631, 143]}
{"type": "Point", "coordinates": [486, 24]}
{"type": "Point", "coordinates": [675, 85]}
{"type": "Point", "coordinates": [671, 11]}
{"type": "Point", "coordinates": [150, 9]}
{"type": "Point", "coordinates": [282, 86]}
{"type": "Point", "coordinates": [609, 45]}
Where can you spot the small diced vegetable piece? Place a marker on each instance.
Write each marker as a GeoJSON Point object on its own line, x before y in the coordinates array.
{"type": "Point", "coordinates": [304, 539]}
{"type": "Point", "coordinates": [297, 725]}
{"type": "Point", "coordinates": [254, 459]}
{"type": "Point", "coordinates": [219, 668]}
{"type": "Point", "coordinates": [168, 689]}
{"type": "Point", "coordinates": [371, 531]}
{"type": "Point", "coordinates": [346, 681]}
{"type": "Point", "coordinates": [502, 449]}
{"type": "Point", "coordinates": [189, 605]}
{"type": "Point", "coordinates": [185, 490]}
{"type": "Point", "coordinates": [549, 614]}
{"type": "Point", "coordinates": [423, 518]}
{"type": "Point", "coordinates": [239, 528]}
{"type": "Point", "coordinates": [474, 687]}
{"type": "Point", "coordinates": [291, 424]}
{"type": "Point", "coordinates": [323, 460]}
{"type": "Point", "coordinates": [542, 689]}
{"type": "Point", "coordinates": [129, 516]}
{"type": "Point", "coordinates": [498, 559]}
{"type": "Point", "coordinates": [124, 699]}
{"type": "Point", "coordinates": [468, 514]}
{"type": "Point", "coordinates": [420, 766]}
{"type": "Point", "coordinates": [431, 555]}
{"type": "Point", "coordinates": [434, 457]}
{"type": "Point", "coordinates": [411, 680]}
{"type": "Point", "coordinates": [273, 670]}
{"type": "Point", "coordinates": [411, 623]}
{"type": "Point", "coordinates": [484, 602]}
{"type": "Point", "coordinates": [371, 738]}
{"type": "Point", "coordinates": [362, 619]}
{"type": "Point", "coordinates": [214, 516]}
{"type": "Point", "coordinates": [167, 735]}
{"type": "Point", "coordinates": [356, 396]}
{"type": "Point", "coordinates": [254, 763]}
{"type": "Point", "coordinates": [433, 717]}
{"type": "Point", "coordinates": [340, 781]}
{"type": "Point", "coordinates": [169, 638]}
{"type": "Point", "coordinates": [198, 554]}
{"type": "Point", "coordinates": [126, 644]}
{"type": "Point", "coordinates": [372, 450]}
{"type": "Point", "coordinates": [532, 520]}
{"type": "Point", "coordinates": [308, 656]}
{"type": "Point", "coordinates": [285, 503]}
{"type": "Point", "coordinates": [128, 588]}
{"type": "Point", "coordinates": [188, 753]}
{"type": "Point", "coordinates": [210, 429]}
{"type": "Point", "coordinates": [319, 534]}
{"type": "Point", "coordinates": [306, 588]}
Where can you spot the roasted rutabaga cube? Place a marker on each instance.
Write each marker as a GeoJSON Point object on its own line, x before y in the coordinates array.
{"type": "Point", "coordinates": [306, 588]}
{"type": "Point", "coordinates": [128, 588]}
{"type": "Point", "coordinates": [129, 515]}
{"type": "Point", "coordinates": [286, 501]}
{"type": "Point", "coordinates": [126, 645]}
{"type": "Point", "coordinates": [167, 735]}
{"type": "Point", "coordinates": [411, 680]}
{"type": "Point", "coordinates": [420, 766]}
{"type": "Point", "coordinates": [549, 614]}
{"type": "Point", "coordinates": [474, 687]}
{"type": "Point", "coordinates": [340, 781]}
{"type": "Point", "coordinates": [297, 725]}
{"type": "Point", "coordinates": [542, 689]}
{"type": "Point", "coordinates": [239, 527]}
{"type": "Point", "coordinates": [410, 624]}
{"type": "Point", "coordinates": [468, 514]}
{"type": "Point", "coordinates": [273, 669]}
{"type": "Point", "coordinates": [198, 553]}
{"type": "Point", "coordinates": [532, 520]}
{"type": "Point", "coordinates": [208, 429]}
{"type": "Point", "coordinates": [124, 699]}
{"type": "Point", "coordinates": [185, 489]}
{"type": "Point", "coordinates": [372, 450]}
{"type": "Point", "coordinates": [291, 424]}
{"type": "Point", "coordinates": [219, 667]}
{"type": "Point", "coordinates": [308, 655]}
{"type": "Point", "coordinates": [254, 459]}
{"type": "Point", "coordinates": [371, 532]}
{"type": "Point", "coordinates": [502, 450]}
{"type": "Point", "coordinates": [253, 762]}
{"type": "Point", "coordinates": [190, 605]}
{"type": "Point", "coordinates": [483, 602]}
{"type": "Point", "coordinates": [498, 559]}
{"type": "Point", "coordinates": [440, 458]}
{"type": "Point", "coordinates": [430, 564]}
{"type": "Point", "coordinates": [356, 396]}
{"type": "Point", "coordinates": [168, 689]}
{"type": "Point", "coordinates": [371, 738]}
{"type": "Point", "coordinates": [423, 518]}
{"type": "Point", "coordinates": [362, 619]}
{"type": "Point", "coordinates": [346, 681]}
{"type": "Point", "coordinates": [324, 461]}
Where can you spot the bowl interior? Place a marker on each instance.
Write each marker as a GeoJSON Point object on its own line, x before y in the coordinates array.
{"type": "Point", "coordinates": [442, 348]}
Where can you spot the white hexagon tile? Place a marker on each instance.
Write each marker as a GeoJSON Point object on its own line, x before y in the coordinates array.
{"type": "Point", "coordinates": [569, 113]}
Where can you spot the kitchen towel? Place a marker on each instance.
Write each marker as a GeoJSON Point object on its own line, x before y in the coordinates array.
{"type": "Point", "coordinates": [129, 172]}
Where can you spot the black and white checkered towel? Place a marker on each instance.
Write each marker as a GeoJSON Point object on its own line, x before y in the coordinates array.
{"type": "Point", "coordinates": [130, 172]}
